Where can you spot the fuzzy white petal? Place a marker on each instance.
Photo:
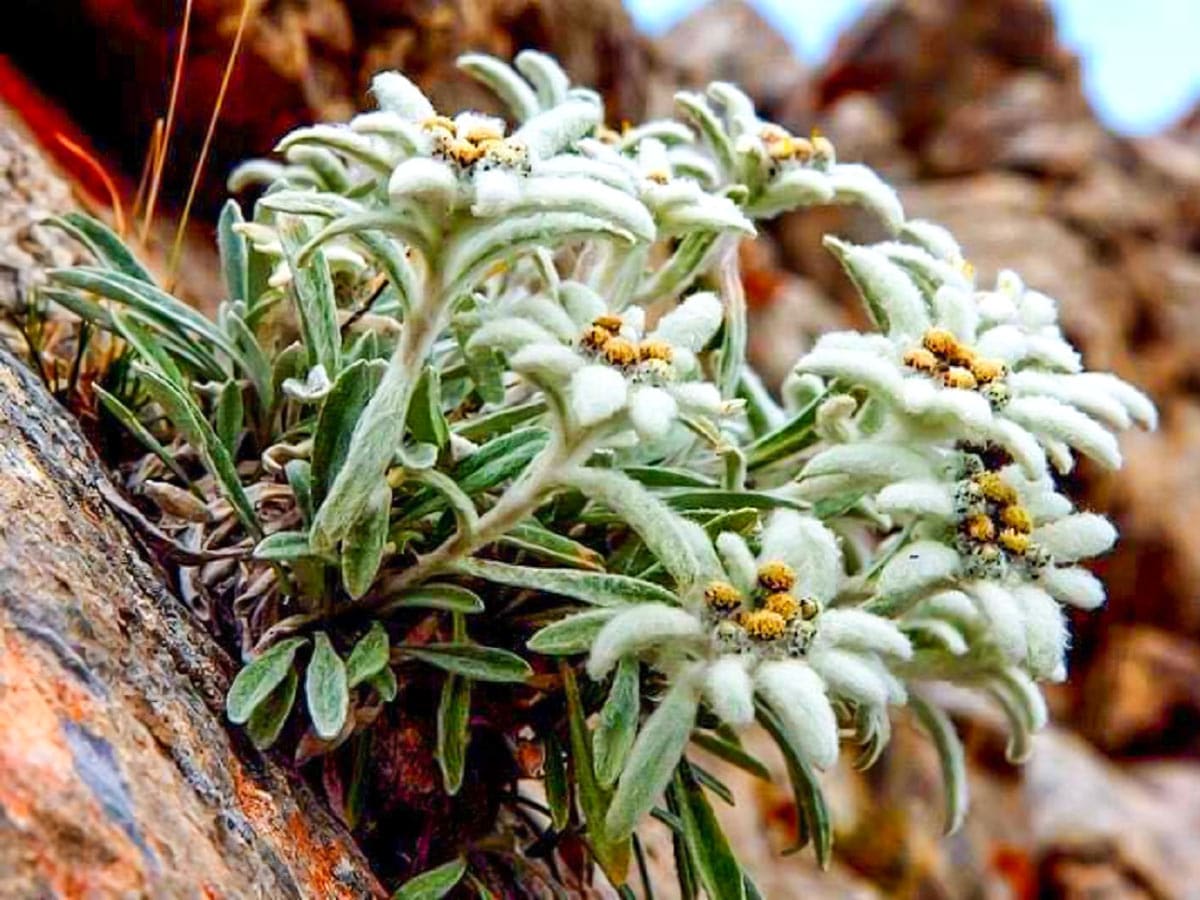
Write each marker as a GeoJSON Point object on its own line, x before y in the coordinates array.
{"type": "Point", "coordinates": [1044, 415]}
{"type": "Point", "coordinates": [582, 304]}
{"type": "Point", "coordinates": [509, 335]}
{"type": "Point", "coordinates": [934, 239]}
{"type": "Point", "coordinates": [880, 462]}
{"type": "Point", "coordinates": [917, 567]}
{"type": "Point", "coordinates": [849, 675]}
{"type": "Point", "coordinates": [856, 629]}
{"type": "Point", "coordinates": [1075, 586]}
{"type": "Point", "coordinates": [730, 691]}
{"type": "Point", "coordinates": [855, 367]}
{"type": "Point", "coordinates": [1045, 631]}
{"type": "Point", "coordinates": [1076, 537]}
{"type": "Point", "coordinates": [652, 411]}
{"type": "Point", "coordinates": [396, 94]}
{"type": "Point", "coordinates": [855, 183]}
{"type": "Point", "coordinates": [887, 289]}
{"type": "Point", "coordinates": [692, 324]}
{"type": "Point", "coordinates": [808, 547]}
{"type": "Point", "coordinates": [1005, 616]}
{"type": "Point", "coordinates": [496, 192]}
{"type": "Point", "coordinates": [698, 397]}
{"type": "Point", "coordinates": [597, 393]}
{"type": "Point", "coordinates": [916, 498]}
{"type": "Point", "coordinates": [638, 629]}
{"type": "Point", "coordinates": [797, 696]}
{"type": "Point", "coordinates": [553, 360]}
{"type": "Point", "coordinates": [738, 560]}
{"type": "Point", "coordinates": [967, 408]}
{"type": "Point", "coordinates": [1019, 442]}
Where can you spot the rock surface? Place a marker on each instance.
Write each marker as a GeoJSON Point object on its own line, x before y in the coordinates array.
{"type": "Point", "coordinates": [117, 775]}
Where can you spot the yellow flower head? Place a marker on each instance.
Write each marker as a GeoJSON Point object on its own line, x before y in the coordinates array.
{"type": "Point", "coordinates": [959, 377]}
{"type": "Point", "coordinates": [1017, 518]}
{"type": "Point", "coordinates": [654, 349]}
{"type": "Point", "coordinates": [620, 352]}
{"type": "Point", "coordinates": [722, 596]}
{"type": "Point", "coordinates": [1015, 542]}
{"type": "Point", "coordinates": [980, 527]}
{"type": "Point", "coordinates": [764, 625]}
{"type": "Point", "coordinates": [995, 488]}
{"type": "Point", "coordinates": [784, 604]}
{"type": "Point", "coordinates": [776, 576]}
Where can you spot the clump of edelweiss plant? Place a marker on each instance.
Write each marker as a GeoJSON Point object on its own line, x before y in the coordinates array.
{"type": "Point", "coordinates": [475, 419]}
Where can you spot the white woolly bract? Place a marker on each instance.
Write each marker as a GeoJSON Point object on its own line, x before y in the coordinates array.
{"type": "Point", "coordinates": [796, 694]}
{"type": "Point", "coordinates": [917, 567]}
{"type": "Point", "coordinates": [738, 560]}
{"type": "Point", "coordinates": [1137, 404]}
{"type": "Point", "coordinates": [1076, 537]}
{"type": "Point", "coordinates": [967, 409]}
{"type": "Point", "coordinates": [850, 676]}
{"type": "Point", "coordinates": [597, 393]}
{"type": "Point", "coordinates": [1045, 631]}
{"type": "Point", "coordinates": [808, 547]}
{"type": "Point", "coordinates": [856, 629]}
{"type": "Point", "coordinates": [1075, 586]}
{"type": "Point", "coordinates": [698, 397]}
{"type": "Point", "coordinates": [916, 498]}
{"type": "Point", "coordinates": [729, 690]}
{"type": "Point", "coordinates": [554, 360]}
{"type": "Point", "coordinates": [638, 629]}
{"type": "Point", "coordinates": [854, 367]}
{"type": "Point", "coordinates": [954, 308]}
{"type": "Point", "coordinates": [553, 130]}
{"type": "Point", "coordinates": [881, 462]}
{"type": "Point", "coordinates": [1019, 442]}
{"type": "Point", "coordinates": [1005, 617]}
{"type": "Point", "coordinates": [396, 94]}
{"type": "Point", "coordinates": [940, 632]}
{"type": "Point", "coordinates": [886, 288]}
{"type": "Point", "coordinates": [933, 238]}
{"type": "Point", "coordinates": [855, 183]}
{"type": "Point", "coordinates": [1076, 390]}
{"type": "Point", "coordinates": [652, 412]}
{"type": "Point", "coordinates": [692, 324]}
{"type": "Point", "coordinates": [1045, 415]}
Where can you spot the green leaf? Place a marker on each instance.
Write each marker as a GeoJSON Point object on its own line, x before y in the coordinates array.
{"type": "Point", "coordinates": [363, 548]}
{"type": "Point", "coordinates": [500, 421]}
{"type": "Point", "coordinates": [316, 304]}
{"type": "Point", "coordinates": [170, 314]}
{"type": "Point", "coordinates": [731, 753]}
{"type": "Point", "coordinates": [186, 416]}
{"type": "Point", "coordinates": [473, 661]}
{"type": "Point", "coordinates": [789, 438]}
{"type": "Point", "coordinates": [596, 588]}
{"type": "Point", "coordinates": [426, 421]}
{"type": "Point", "coordinates": [267, 721]}
{"type": "Point", "coordinates": [434, 884]}
{"type": "Point", "coordinates": [706, 498]}
{"type": "Point", "coordinates": [231, 245]}
{"type": "Point", "coordinates": [448, 597]}
{"type": "Point", "coordinates": [485, 365]}
{"type": "Point", "coordinates": [613, 855]}
{"type": "Point", "coordinates": [666, 477]}
{"type": "Point", "coordinates": [259, 677]}
{"type": "Point", "coordinates": [325, 689]}
{"type": "Point", "coordinates": [102, 242]}
{"type": "Point", "coordinates": [230, 415]}
{"type": "Point", "coordinates": [384, 684]}
{"type": "Point", "coordinates": [571, 635]}
{"type": "Point", "coordinates": [652, 760]}
{"type": "Point", "coordinates": [126, 417]}
{"type": "Point", "coordinates": [284, 546]}
{"type": "Point", "coordinates": [706, 843]}
{"type": "Point", "coordinates": [614, 734]}
{"type": "Point", "coordinates": [146, 345]}
{"type": "Point", "coordinates": [453, 732]}
{"type": "Point", "coordinates": [682, 547]}
{"type": "Point", "coordinates": [369, 656]}
{"type": "Point", "coordinates": [951, 757]}
{"type": "Point", "coordinates": [810, 800]}
{"type": "Point", "coordinates": [299, 477]}
{"type": "Point", "coordinates": [339, 414]}
{"type": "Point", "coordinates": [535, 539]}
{"type": "Point", "coordinates": [558, 786]}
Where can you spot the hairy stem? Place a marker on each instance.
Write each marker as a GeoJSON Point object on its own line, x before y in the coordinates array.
{"type": "Point", "coordinates": [380, 429]}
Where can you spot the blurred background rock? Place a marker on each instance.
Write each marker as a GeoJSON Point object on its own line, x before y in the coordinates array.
{"type": "Point", "coordinates": [976, 110]}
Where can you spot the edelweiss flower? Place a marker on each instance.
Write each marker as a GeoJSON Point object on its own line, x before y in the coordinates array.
{"type": "Point", "coordinates": [781, 171]}
{"type": "Point", "coordinates": [995, 554]}
{"type": "Point", "coordinates": [982, 366]}
{"type": "Point", "coordinates": [762, 629]}
{"type": "Point", "coordinates": [605, 362]}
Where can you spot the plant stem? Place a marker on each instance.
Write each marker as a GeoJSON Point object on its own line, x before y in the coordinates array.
{"type": "Point", "coordinates": [380, 430]}
{"type": "Point", "coordinates": [514, 506]}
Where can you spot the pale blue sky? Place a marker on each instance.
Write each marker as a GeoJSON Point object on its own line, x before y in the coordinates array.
{"type": "Point", "coordinates": [1141, 57]}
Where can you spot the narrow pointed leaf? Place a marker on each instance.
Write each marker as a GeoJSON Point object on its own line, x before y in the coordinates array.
{"type": "Point", "coordinates": [258, 678]}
